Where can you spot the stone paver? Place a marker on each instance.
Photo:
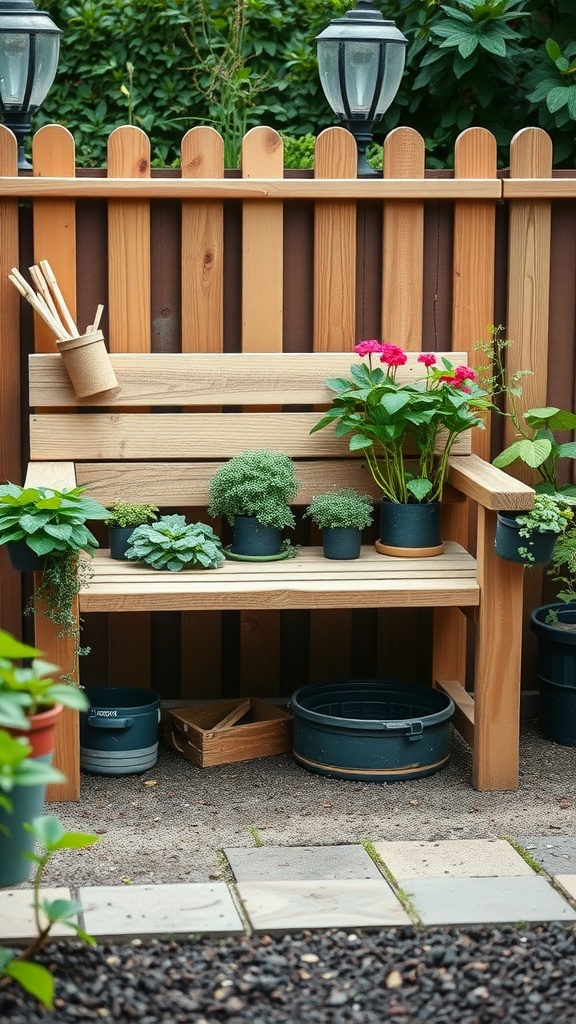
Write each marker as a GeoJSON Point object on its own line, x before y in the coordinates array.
{"type": "Point", "coordinates": [466, 901]}
{"type": "Point", "coordinates": [274, 863]}
{"type": "Point", "coordinates": [456, 858]}
{"type": "Point", "coordinates": [148, 910]}
{"type": "Point", "coordinates": [17, 915]}
{"type": "Point", "coordinates": [293, 905]}
{"type": "Point", "coordinates": [568, 883]}
{"type": "Point", "coordinates": [556, 855]}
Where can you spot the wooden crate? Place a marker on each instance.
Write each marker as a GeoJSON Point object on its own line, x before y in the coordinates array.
{"type": "Point", "coordinates": [235, 730]}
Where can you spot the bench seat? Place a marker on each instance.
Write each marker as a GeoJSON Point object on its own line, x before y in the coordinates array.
{"type": "Point", "coordinates": [307, 581]}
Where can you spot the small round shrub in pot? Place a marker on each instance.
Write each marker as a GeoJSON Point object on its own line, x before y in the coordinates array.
{"type": "Point", "coordinates": [253, 491]}
{"type": "Point", "coordinates": [341, 515]}
{"type": "Point", "coordinates": [173, 544]}
{"type": "Point", "coordinates": [123, 520]}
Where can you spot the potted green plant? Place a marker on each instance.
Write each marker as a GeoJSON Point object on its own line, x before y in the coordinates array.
{"type": "Point", "coordinates": [253, 491]}
{"type": "Point", "coordinates": [341, 515]}
{"type": "Point", "coordinates": [172, 543]}
{"type": "Point", "coordinates": [529, 537]}
{"type": "Point", "coordinates": [123, 520]}
{"type": "Point", "coordinates": [30, 704]}
{"type": "Point", "coordinates": [382, 414]}
{"type": "Point", "coordinates": [49, 527]}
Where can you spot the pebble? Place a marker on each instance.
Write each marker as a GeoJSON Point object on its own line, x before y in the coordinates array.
{"type": "Point", "coordinates": [407, 976]}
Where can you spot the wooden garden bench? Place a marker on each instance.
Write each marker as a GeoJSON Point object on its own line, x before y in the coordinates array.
{"type": "Point", "coordinates": [160, 437]}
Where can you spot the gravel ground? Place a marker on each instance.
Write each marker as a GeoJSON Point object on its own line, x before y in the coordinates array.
{"type": "Point", "coordinates": [168, 824]}
{"type": "Point", "coordinates": [471, 976]}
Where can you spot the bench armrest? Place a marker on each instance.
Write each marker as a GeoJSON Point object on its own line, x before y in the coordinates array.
{"type": "Point", "coordinates": [58, 475]}
{"type": "Point", "coordinates": [489, 486]}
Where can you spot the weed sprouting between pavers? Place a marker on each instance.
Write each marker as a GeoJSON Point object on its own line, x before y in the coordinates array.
{"type": "Point", "coordinates": [402, 895]}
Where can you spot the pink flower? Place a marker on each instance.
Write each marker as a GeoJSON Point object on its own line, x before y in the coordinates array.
{"type": "Point", "coordinates": [464, 373]}
{"type": "Point", "coordinates": [428, 358]}
{"type": "Point", "coordinates": [393, 355]}
{"type": "Point", "coordinates": [364, 348]}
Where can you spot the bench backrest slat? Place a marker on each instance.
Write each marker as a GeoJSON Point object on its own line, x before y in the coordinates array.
{"type": "Point", "coordinates": [210, 379]}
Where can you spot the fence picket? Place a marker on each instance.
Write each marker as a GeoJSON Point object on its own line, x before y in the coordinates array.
{"type": "Point", "coordinates": [54, 155]}
{"type": "Point", "coordinates": [202, 246]}
{"type": "Point", "coordinates": [262, 331]}
{"type": "Point", "coordinates": [202, 331]}
{"type": "Point", "coordinates": [335, 247]}
{"type": "Point", "coordinates": [129, 298]}
{"type": "Point", "coordinates": [474, 256]}
{"type": "Point", "coordinates": [403, 245]}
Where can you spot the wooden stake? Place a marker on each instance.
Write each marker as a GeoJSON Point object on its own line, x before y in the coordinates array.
{"type": "Point", "coordinates": [53, 284]}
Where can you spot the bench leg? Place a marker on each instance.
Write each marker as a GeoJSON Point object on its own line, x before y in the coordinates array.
{"type": "Point", "coordinates": [60, 651]}
{"type": "Point", "coordinates": [498, 664]}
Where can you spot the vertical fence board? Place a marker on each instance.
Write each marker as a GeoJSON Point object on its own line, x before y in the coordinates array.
{"type": "Point", "coordinates": [334, 247]}
{"type": "Point", "coordinates": [10, 447]}
{"type": "Point", "coordinates": [262, 247]}
{"type": "Point", "coordinates": [130, 331]}
{"type": "Point", "coordinates": [474, 257]}
{"type": "Point", "coordinates": [202, 331]}
{"type": "Point", "coordinates": [403, 245]}
{"type": "Point", "coordinates": [202, 247]}
{"type": "Point", "coordinates": [528, 324]}
{"type": "Point", "coordinates": [262, 315]}
{"type": "Point", "coordinates": [334, 330]}
{"type": "Point", "coordinates": [54, 154]}
{"type": "Point", "coordinates": [129, 246]}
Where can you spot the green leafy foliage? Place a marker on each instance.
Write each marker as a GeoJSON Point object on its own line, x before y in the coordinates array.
{"type": "Point", "coordinates": [123, 514]}
{"type": "Point", "coordinates": [342, 508]}
{"type": "Point", "coordinates": [259, 483]}
{"type": "Point", "coordinates": [383, 414]}
{"type": "Point", "coordinates": [18, 769]}
{"type": "Point", "coordinates": [34, 978]}
{"type": "Point", "coordinates": [48, 520]}
{"type": "Point", "coordinates": [25, 690]}
{"type": "Point", "coordinates": [166, 65]}
{"type": "Point", "coordinates": [174, 544]}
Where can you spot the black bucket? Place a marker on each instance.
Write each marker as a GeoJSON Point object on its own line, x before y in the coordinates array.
{"type": "Point", "coordinates": [557, 671]}
{"type": "Point", "coordinates": [119, 734]}
{"type": "Point", "coordinates": [371, 731]}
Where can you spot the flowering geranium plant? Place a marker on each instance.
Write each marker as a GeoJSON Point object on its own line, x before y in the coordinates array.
{"type": "Point", "coordinates": [383, 414]}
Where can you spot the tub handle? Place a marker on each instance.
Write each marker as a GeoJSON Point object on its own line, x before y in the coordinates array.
{"type": "Point", "coordinates": [110, 723]}
{"type": "Point", "coordinates": [415, 729]}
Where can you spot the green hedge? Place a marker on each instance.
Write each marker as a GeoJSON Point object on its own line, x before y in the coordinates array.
{"type": "Point", "coordinates": [166, 65]}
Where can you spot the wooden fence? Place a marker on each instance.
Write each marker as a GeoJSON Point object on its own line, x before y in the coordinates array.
{"type": "Point", "coordinates": [200, 260]}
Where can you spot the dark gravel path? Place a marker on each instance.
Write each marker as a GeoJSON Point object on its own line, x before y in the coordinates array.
{"type": "Point", "coordinates": [472, 976]}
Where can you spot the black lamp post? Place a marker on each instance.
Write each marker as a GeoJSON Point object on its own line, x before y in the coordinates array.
{"type": "Point", "coordinates": [361, 60]}
{"type": "Point", "coordinates": [29, 46]}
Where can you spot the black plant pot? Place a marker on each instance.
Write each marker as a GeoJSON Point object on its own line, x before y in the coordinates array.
{"type": "Point", "coordinates": [120, 541]}
{"type": "Point", "coordinates": [410, 531]}
{"type": "Point", "coordinates": [557, 671]}
{"type": "Point", "coordinates": [509, 544]}
{"type": "Point", "coordinates": [250, 537]}
{"type": "Point", "coordinates": [341, 542]}
{"type": "Point", "coordinates": [22, 557]}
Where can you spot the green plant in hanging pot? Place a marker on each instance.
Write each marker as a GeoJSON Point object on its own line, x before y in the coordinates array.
{"type": "Point", "coordinates": [253, 491]}
{"type": "Point", "coordinates": [341, 515]}
{"type": "Point", "coordinates": [123, 520]}
{"type": "Point", "coordinates": [530, 537]}
{"type": "Point", "coordinates": [172, 543]}
{"type": "Point", "coordinates": [386, 415]}
{"type": "Point", "coordinates": [50, 525]}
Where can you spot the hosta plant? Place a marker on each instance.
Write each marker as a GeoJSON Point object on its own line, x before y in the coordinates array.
{"type": "Point", "coordinates": [172, 543]}
{"type": "Point", "coordinates": [26, 690]}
